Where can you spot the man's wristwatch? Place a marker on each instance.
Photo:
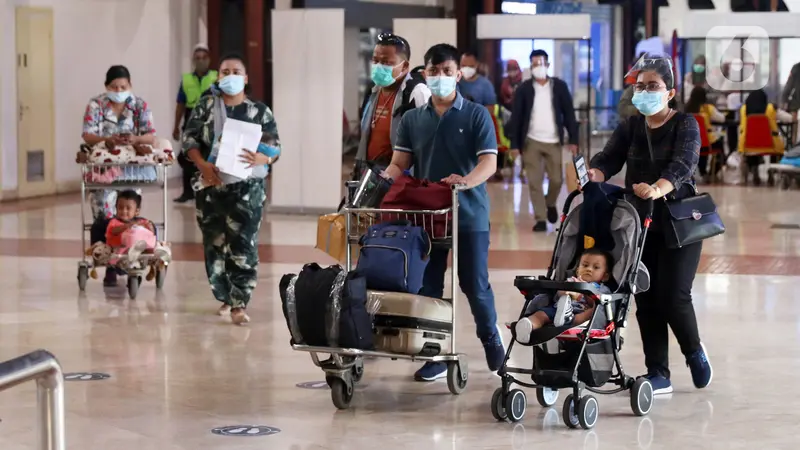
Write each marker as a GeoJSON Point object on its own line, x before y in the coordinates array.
{"type": "Point", "coordinates": [657, 189]}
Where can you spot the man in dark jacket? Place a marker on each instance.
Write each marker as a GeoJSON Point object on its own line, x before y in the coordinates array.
{"type": "Point", "coordinates": [542, 109]}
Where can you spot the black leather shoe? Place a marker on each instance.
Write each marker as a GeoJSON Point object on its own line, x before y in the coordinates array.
{"type": "Point", "coordinates": [552, 214]}
{"type": "Point", "coordinates": [540, 226]}
{"type": "Point", "coordinates": [184, 198]}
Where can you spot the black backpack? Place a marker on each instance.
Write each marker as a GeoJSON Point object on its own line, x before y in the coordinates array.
{"type": "Point", "coordinates": [405, 102]}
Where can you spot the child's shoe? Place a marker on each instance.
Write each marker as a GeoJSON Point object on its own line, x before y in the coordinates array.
{"type": "Point", "coordinates": [136, 251]}
{"type": "Point", "coordinates": [522, 330]}
{"type": "Point", "coordinates": [163, 253]}
{"type": "Point", "coordinates": [564, 314]}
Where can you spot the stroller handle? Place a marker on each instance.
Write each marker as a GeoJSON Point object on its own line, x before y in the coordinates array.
{"type": "Point", "coordinates": [619, 194]}
{"type": "Point", "coordinates": [650, 201]}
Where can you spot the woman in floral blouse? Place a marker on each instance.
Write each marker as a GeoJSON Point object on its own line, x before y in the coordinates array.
{"type": "Point", "coordinates": [117, 117]}
{"type": "Point", "coordinates": [229, 209]}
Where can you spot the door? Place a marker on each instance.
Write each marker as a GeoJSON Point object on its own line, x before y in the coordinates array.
{"type": "Point", "coordinates": [35, 103]}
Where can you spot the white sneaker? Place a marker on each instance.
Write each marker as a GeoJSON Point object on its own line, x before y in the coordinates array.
{"type": "Point", "coordinates": [522, 330]}
{"type": "Point", "coordinates": [163, 253]}
{"type": "Point", "coordinates": [563, 311]}
{"type": "Point", "coordinates": [136, 251]}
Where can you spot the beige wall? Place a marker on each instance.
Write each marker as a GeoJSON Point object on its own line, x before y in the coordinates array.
{"type": "Point", "coordinates": [153, 38]}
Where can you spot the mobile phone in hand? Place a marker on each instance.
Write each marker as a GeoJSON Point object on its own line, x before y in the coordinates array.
{"type": "Point", "coordinates": [582, 171]}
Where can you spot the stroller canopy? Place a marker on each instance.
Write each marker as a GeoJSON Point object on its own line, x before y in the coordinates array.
{"type": "Point", "coordinates": [607, 221]}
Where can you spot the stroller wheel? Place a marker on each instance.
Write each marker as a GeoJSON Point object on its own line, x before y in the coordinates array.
{"type": "Point", "coordinates": [569, 412]}
{"type": "Point", "coordinates": [641, 396]}
{"type": "Point", "coordinates": [516, 404]}
{"type": "Point", "coordinates": [546, 396]}
{"type": "Point", "coordinates": [588, 410]}
{"type": "Point", "coordinates": [499, 405]}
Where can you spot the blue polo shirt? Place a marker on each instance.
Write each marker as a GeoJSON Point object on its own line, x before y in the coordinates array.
{"type": "Point", "coordinates": [451, 144]}
{"type": "Point", "coordinates": [480, 90]}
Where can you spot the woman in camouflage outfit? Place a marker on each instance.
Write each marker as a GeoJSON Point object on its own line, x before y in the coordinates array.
{"type": "Point", "coordinates": [229, 209]}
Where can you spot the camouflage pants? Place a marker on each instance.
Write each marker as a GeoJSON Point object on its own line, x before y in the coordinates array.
{"type": "Point", "coordinates": [229, 217]}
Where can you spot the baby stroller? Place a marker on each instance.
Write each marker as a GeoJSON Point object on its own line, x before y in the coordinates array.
{"type": "Point", "coordinates": [583, 357]}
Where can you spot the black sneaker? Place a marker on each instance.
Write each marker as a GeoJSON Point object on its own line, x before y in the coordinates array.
{"type": "Point", "coordinates": [540, 226]}
{"type": "Point", "coordinates": [552, 214]}
{"type": "Point", "coordinates": [184, 198]}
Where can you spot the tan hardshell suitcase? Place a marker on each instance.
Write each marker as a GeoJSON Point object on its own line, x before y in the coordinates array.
{"type": "Point", "coordinates": [412, 324]}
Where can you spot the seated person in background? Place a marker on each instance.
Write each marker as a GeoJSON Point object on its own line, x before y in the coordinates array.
{"type": "Point", "coordinates": [571, 307]}
{"type": "Point", "coordinates": [131, 235]}
{"type": "Point", "coordinates": [758, 103]}
{"type": "Point", "coordinates": [698, 104]}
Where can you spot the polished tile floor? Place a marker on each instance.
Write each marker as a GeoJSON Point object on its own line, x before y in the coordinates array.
{"type": "Point", "coordinates": [178, 371]}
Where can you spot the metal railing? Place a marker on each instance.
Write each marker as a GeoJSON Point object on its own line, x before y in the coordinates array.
{"type": "Point", "coordinates": [44, 368]}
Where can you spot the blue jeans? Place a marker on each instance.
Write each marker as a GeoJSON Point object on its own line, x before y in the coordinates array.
{"type": "Point", "coordinates": [473, 278]}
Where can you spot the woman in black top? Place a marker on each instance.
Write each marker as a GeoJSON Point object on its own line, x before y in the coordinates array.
{"type": "Point", "coordinates": [675, 139]}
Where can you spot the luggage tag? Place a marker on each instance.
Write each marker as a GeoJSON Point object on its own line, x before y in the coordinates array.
{"type": "Point", "coordinates": [580, 169]}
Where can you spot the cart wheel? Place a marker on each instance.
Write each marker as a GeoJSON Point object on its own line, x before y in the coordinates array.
{"type": "Point", "coordinates": [770, 179]}
{"type": "Point", "coordinates": [83, 277]}
{"type": "Point", "coordinates": [498, 405]}
{"type": "Point", "coordinates": [546, 396]}
{"type": "Point", "coordinates": [456, 380]}
{"type": "Point", "coordinates": [341, 393]}
{"type": "Point", "coordinates": [588, 411]}
{"type": "Point", "coordinates": [641, 396]}
{"type": "Point", "coordinates": [161, 275]}
{"type": "Point", "coordinates": [133, 286]}
{"type": "Point", "coordinates": [516, 404]}
{"type": "Point", "coordinates": [568, 413]}
{"type": "Point", "coordinates": [357, 371]}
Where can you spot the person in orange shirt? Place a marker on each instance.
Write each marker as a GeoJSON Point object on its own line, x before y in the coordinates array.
{"type": "Point", "coordinates": [397, 89]}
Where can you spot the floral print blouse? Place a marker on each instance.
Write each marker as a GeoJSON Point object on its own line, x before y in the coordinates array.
{"type": "Point", "coordinates": [100, 120]}
{"type": "Point", "coordinates": [136, 119]}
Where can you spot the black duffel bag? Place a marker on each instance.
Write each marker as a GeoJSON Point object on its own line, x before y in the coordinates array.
{"type": "Point", "coordinates": [326, 307]}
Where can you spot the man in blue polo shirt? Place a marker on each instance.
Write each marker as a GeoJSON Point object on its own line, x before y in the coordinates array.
{"type": "Point", "coordinates": [453, 140]}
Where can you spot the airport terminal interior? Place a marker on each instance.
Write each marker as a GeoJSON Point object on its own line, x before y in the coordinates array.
{"type": "Point", "coordinates": [164, 371]}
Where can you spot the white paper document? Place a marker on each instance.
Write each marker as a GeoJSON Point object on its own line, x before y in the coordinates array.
{"type": "Point", "coordinates": [236, 136]}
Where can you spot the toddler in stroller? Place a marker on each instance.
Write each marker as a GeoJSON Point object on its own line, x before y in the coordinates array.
{"type": "Point", "coordinates": [601, 240]}
{"type": "Point", "coordinates": [570, 307]}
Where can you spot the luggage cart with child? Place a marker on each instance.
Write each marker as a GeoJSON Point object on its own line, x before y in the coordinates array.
{"type": "Point", "coordinates": [149, 262]}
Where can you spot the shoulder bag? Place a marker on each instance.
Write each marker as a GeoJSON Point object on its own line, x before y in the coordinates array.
{"type": "Point", "coordinates": [687, 220]}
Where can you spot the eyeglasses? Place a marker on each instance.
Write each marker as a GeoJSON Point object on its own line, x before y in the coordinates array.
{"type": "Point", "coordinates": [649, 87]}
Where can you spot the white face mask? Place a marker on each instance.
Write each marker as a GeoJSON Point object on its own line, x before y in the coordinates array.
{"type": "Point", "coordinates": [539, 72]}
{"type": "Point", "coordinates": [468, 72]}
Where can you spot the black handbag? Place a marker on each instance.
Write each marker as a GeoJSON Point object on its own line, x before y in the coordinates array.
{"type": "Point", "coordinates": [688, 220]}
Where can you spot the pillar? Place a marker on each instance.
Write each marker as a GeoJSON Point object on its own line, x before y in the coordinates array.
{"type": "Point", "coordinates": [213, 22]}
{"type": "Point", "coordinates": [254, 46]}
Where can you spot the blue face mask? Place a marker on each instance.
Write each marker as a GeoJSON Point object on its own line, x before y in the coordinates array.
{"type": "Point", "coordinates": [441, 86]}
{"type": "Point", "coordinates": [649, 103]}
{"type": "Point", "coordinates": [269, 150]}
{"type": "Point", "coordinates": [232, 84]}
{"type": "Point", "coordinates": [119, 97]}
{"type": "Point", "coordinates": [382, 75]}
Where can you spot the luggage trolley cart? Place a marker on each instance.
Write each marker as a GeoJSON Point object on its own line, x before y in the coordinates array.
{"type": "Point", "coordinates": [87, 263]}
{"type": "Point", "coordinates": [345, 366]}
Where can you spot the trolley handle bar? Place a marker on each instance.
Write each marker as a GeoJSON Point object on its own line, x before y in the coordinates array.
{"type": "Point", "coordinates": [397, 211]}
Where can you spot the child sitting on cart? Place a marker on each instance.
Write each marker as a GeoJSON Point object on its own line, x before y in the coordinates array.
{"type": "Point", "coordinates": [130, 235]}
{"type": "Point", "coordinates": [571, 307]}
